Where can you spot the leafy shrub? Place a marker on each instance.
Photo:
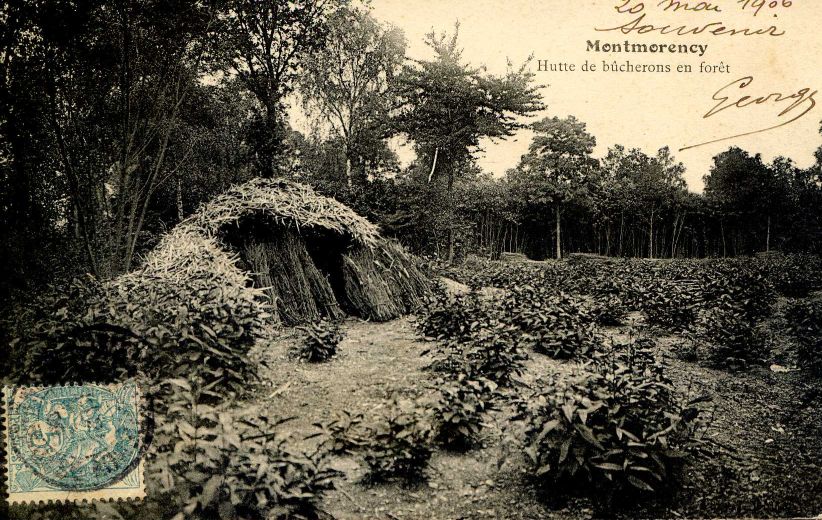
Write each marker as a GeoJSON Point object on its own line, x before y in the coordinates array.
{"type": "Point", "coordinates": [320, 342]}
{"type": "Point", "coordinates": [554, 323]}
{"type": "Point", "coordinates": [450, 317]}
{"type": "Point", "coordinates": [478, 273]}
{"type": "Point", "coordinates": [805, 324]}
{"type": "Point", "coordinates": [608, 310]}
{"type": "Point", "coordinates": [149, 322]}
{"type": "Point", "coordinates": [616, 424]}
{"type": "Point", "coordinates": [671, 304]}
{"type": "Point", "coordinates": [63, 340]}
{"type": "Point", "coordinates": [732, 337]}
{"type": "Point", "coordinates": [793, 275]}
{"type": "Point", "coordinates": [625, 279]}
{"type": "Point", "coordinates": [343, 434]}
{"type": "Point", "coordinates": [472, 339]}
{"type": "Point", "coordinates": [742, 282]}
{"type": "Point", "coordinates": [495, 354]}
{"type": "Point", "coordinates": [268, 478]}
{"type": "Point", "coordinates": [206, 463]}
{"type": "Point", "coordinates": [492, 352]}
{"type": "Point", "coordinates": [400, 444]}
{"type": "Point", "coordinates": [460, 410]}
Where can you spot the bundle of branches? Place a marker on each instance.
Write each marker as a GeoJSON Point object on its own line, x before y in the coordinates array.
{"type": "Point", "coordinates": [298, 291]}
{"type": "Point", "coordinates": [382, 282]}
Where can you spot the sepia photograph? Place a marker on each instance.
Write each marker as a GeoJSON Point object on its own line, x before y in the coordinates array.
{"type": "Point", "coordinates": [410, 259]}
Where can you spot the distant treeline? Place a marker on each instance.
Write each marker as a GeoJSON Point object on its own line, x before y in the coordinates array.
{"type": "Point", "coordinates": [627, 204]}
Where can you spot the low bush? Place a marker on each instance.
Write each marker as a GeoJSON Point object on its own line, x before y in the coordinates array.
{"type": "Point", "coordinates": [269, 478]}
{"type": "Point", "coordinates": [477, 273]}
{"type": "Point", "coordinates": [400, 444]}
{"type": "Point", "coordinates": [671, 304]}
{"type": "Point", "coordinates": [555, 324]}
{"type": "Point", "coordinates": [320, 341]}
{"type": "Point", "coordinates": [451, 317]}
{"type": "Point", "coordinates": [805, 325]}
{"type": "Point", "coordinates": [473, 338]}
{"type": "Point", "coordinates": [793, 275]}
{"type": "Point", "coordinates": [460, 409]}
{"type": "Point", "coordinates": [608, 310]}
{"type": "Point", "coordinates": [732, 337]}
{"type": "Point", "coordinates": [493, 351]}
{"type": "Point", "coordinates": [344, 434]}
{"type": "Point", "coordinates": [205, 315]}
{"type": "Point", "coordinates": [614, 426]}
{"type": "Point", "coordinates": [742, 282]}
{"type": "Point", "coordinates": [205, 463]}
{"type": "Point", "coordinates": [495, 354]}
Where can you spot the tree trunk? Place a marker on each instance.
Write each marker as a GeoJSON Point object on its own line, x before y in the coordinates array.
{"type": "Point", "coordinates": [608, 239]}
{"type": "Point", "coordinates": [272, 140]}
{"type": "Point", "coordinates": [768, 238]}
{"type": "Point", "coordinates": [724, 244]}
{"type": "Point", "coordinates": [559, 233]}
{"type": "Point", "coordinates": [434, 167]}
{"type": "Point", "coordinates": [180, 213]}
{"type": "Point", "coordinates": [451, 216]}
{"type": "Point", "coordinates": [651, 236]}
{"type": "Point", "coordinates": [621, 231]}
{"type": "Point", "coordinates": [347, 170]}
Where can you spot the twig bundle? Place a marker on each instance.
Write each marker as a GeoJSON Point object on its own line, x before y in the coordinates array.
{"type": "Point", "coordinates": [298, 291]}
{"type": "Point", "coordinates": [383, 282]}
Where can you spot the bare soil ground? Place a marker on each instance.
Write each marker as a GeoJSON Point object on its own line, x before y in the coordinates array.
{"type": "Point", "coordinates": [765, 446]}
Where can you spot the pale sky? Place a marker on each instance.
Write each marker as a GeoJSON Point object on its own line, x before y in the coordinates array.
{"type": "Point", "coordinates": [644, 110]}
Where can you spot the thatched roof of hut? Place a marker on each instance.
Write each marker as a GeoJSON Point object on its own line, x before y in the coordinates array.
{"type": "Point", "coordinates": [286, 203]}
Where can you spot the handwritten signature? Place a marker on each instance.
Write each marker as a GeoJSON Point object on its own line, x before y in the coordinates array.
{"type": "Point", "coordinates": [802, 102]}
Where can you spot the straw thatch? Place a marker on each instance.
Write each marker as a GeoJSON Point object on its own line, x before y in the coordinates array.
{"type": "Point", "coordinates": [185, 253]}
{"type": "Point", "coordinates": [307, 256]}
{"type": "Point", "coordinates": [284, 203]}
{"type": "Point", "coordinates": [382, 282]}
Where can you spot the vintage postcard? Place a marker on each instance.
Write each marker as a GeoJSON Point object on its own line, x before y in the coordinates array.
{"type": "Point", "coordinates": [411, 259]}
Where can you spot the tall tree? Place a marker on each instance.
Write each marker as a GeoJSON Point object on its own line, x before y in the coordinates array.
{"type": "Point", "coordinates": [112, 77]}
{"type": "Point", "coordinates": [447, 106]}
{"type": "Point", "coordinates": [660, 183]}
{"type": "Point", "coordinates": [265, 44]}
{"type": "Point", "coordinates": [737, 187]}
{"type": "Point", "coordinates": [558, 166]}
{"type": "Point", "coordinates": [348, 84]}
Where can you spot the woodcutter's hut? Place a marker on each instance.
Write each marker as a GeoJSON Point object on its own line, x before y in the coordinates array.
{"type": "Point", "coordinates": [309, 255]}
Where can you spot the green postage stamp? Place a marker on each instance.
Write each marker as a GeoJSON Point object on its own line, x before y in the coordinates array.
{"type": "Point", "coordinates": [72, 443]}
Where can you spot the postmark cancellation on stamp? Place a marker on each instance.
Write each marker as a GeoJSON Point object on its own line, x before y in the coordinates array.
{"type": "Point", "coordinates": [73, 443]}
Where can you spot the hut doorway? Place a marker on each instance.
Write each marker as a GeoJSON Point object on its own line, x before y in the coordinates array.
{"type": "Point", "coordinates": [299, 271]}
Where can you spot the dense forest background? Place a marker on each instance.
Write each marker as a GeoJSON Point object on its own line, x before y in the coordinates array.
{"type": "Point", "coordinates": [118, 118]}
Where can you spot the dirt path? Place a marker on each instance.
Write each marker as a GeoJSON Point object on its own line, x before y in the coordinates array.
{"type": "Point", "coordinates": [766, 460]}
{"type": "Point", "coordinates": [377, 361]}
